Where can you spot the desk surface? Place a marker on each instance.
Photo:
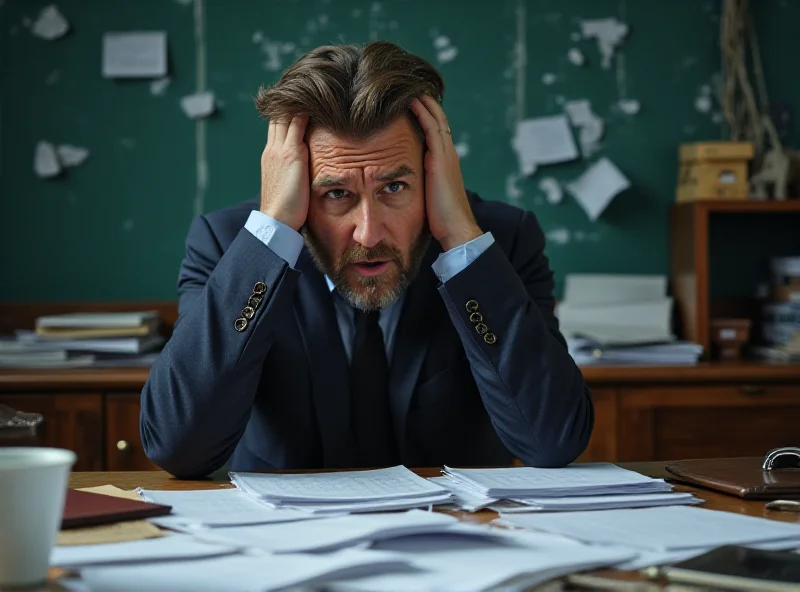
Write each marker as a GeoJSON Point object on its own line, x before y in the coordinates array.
{"type": "Point", "coordinates": [133, 378]}
{"type": "Point", "coordinates": [161, 480]}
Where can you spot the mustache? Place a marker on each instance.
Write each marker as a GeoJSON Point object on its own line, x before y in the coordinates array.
{"type": "Point", "coordinates": [362, 253]}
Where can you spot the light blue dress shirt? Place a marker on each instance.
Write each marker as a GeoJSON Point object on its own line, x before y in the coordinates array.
{"type": "Point", "coordinates": [287, 243]}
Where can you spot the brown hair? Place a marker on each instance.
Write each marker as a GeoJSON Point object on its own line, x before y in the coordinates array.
{"type": "Point", "coordinates": [351, 90]}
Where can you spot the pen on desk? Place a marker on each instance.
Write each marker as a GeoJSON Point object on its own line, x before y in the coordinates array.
{"type": "Point", "coordinates": [785, 505]}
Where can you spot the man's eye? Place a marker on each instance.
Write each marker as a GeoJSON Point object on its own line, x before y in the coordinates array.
{"type": "Point", "coordinates": [335, 194]}
{"type": "Point", "coordinates": [395, 186]}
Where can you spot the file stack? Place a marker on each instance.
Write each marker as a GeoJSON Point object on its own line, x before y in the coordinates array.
{"type": "Point", "coordinates": [394, 488]}
{"type": "Point", "coordinates": [585, 486]}
{"type": "Point", "coordinates": [85, 339]}
{"type": "Point", "coordinates": [621, 319]}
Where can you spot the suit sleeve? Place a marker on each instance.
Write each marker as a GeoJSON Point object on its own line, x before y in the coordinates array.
{"type": "Point", "coordinates": [503, 309]}
{"type": "Point", "coordinates": [197, 400]}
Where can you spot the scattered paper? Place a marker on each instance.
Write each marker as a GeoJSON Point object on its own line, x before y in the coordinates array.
{"type": "Point", "coordinates": [50, 24]}
{"type": "Point", "coordinates": [543, 140]}
{"type": "Point", "coordinates": [159, 87]}
{"type": "Point", "coordinates": [590, 126]}
{"type": "Point", "coordinates": [552, 190]}
{"type": "Point", "coordinates": [548, 78]}
{"type": "Point", "coordinates": [135, 55]}
{"type": "Point", "coordinates": [629, 106]}
{"type": "Point", "coordinates": [576, 57]}
{"type": "Point", "coordinates": [609, 33]}
{"type": "Point", "coordinates": [118, 532]}
{"type": "Point", "coordinates": [595, 188]}
{"type": "Point", "coordinates": [199, 105]}
{"type": "Point", "coordinates": [71, 156]}
{"type": "Point", "coordinates": [45, 161]}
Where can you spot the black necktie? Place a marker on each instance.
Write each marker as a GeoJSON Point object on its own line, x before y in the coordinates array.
{"type": "Point", "coordinates": [369, 394]}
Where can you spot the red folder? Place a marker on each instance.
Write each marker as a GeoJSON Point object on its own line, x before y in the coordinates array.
{"type": "Point", "coordinates": [83, 508]}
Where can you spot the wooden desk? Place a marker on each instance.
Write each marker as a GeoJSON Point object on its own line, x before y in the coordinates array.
{"type": "Point", "coordinates": [713, 500]}
{"type": "Point", "coordinates": [641, 413]}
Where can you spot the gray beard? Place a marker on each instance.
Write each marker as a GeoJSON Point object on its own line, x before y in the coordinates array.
{"type": "Point", "coordinates": [372, 293]}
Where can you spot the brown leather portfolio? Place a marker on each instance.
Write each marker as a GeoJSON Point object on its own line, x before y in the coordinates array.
{"type": "Point", "coordinates": [83, 508]}
{"type": "Point", "coordinates": [743, 477]}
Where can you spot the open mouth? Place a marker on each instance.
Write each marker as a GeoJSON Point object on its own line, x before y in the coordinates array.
{"type": "Point", "coordinates": [371, 268]}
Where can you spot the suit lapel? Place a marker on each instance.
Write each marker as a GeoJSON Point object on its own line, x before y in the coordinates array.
{"type": "Point", "coordinates": [316, 317]}
{"type": "Point", "coordinates": [422, 313]}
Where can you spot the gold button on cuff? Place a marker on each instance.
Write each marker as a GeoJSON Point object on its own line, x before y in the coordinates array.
{"type": "Point", "coordinates": [476, 317]}
{"type": "Point", "coordinates": [259, 288]}
{"type": "Point", "coordinates": [481, 328]}
{"type": "Point", "coordinates": [472, 305]}
{"type": "Point", "coordinates": [254, 301]}
{"type": "Point", "coordinates": [240, 324]}
{"type": "Point", "coordinates": [490, 338]}
{"type": "Point", "coordinates": [248, 312]}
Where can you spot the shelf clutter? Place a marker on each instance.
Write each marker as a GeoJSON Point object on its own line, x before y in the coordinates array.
{"type": "Point", "coordinates": [77, 340]}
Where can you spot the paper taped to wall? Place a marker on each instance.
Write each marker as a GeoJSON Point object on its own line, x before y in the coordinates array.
{"type": "Point", "coordinates": [595, 188]}
{"type": "Point", "coordinates": [135, 55]}
{"type": "Point", "coordinates": [198, 105]}
{"type": "Point", "coordinates": [50, 24]}
{"type": "Point", "coordinates": [543, 140]}
{"type": "Point", "coordinates": [45, 161]}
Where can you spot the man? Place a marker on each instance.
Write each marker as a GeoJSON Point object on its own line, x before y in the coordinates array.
{"type": "Point", "coordinates": [368, 311]}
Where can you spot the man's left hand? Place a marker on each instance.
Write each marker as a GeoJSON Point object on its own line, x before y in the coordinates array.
{"type": "Point", "coordinates": [449, 214]}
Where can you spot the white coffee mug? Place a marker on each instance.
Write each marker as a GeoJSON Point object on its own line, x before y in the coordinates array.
{"type": "Point", "coordinates": [33, 485]}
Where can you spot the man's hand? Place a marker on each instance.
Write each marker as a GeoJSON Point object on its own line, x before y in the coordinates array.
{"type": "Point", "coordinates": [450, 217]}
{"type": "Point", "coordinates": [284, 173]}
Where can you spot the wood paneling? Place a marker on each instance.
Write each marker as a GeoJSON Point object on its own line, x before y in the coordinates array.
{"type": "Point", "coordinates": [603, 444]}
{"type": "Point", "coordinates": [72, 421]}
{"type": "Point", "coordinates": [124, 450]}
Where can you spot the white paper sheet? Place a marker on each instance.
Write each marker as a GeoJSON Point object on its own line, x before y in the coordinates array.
{"type": "Point", "coordinates": [659, 529]}
{"type": "Point", "coordinates": [176, 546]}
{"type": "Point", "coordinates": [320, 509]}
{"type": "Point", "coordinates": [219, 507]}
{"type": "Point", "coordinates": [198, 105]}
{"type": "Point", "coordinates": [609, 33]}
{"type": "Point", "coordinates": [330, 533]}
{"type": "Point", "coordinates": [141, 54]}
{"type": "Point", "coordinates": [50, 24]}
{"type": "Point", "coordinates": [241, 573]}
{"type": "Point", "coordinates": [576, 479]}
{"type": "Point", "coordinates": [71, 156]}
{"type": "Point", "coordinates": [598, 288]}
{"type": "Point", "coordinates": [45, 161]}
{"type": "Point", "coordinates": [349, 486]}
{"type": "Point", "coordinates": [597, 502]}
{"type": "Point", "coordinates": [465, 498]}
{"type": "Point", "coordinates": [590, 126]}
{"type": "Point", "coordinates": [542, 141]}
{"type": "Point", "coordinates": [460, 564]}
{"type": "Point", "coordinates": [595, 188]}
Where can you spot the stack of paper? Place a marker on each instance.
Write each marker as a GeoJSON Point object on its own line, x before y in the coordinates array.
{"type": "Point", "coordinates": [395, 488]}
{"type": "Point", "coordinates": [621, 319]}
{"type": "Point", "coordinates": [577, 487]}
{"type": "Point", "coordinates": [663, 535]}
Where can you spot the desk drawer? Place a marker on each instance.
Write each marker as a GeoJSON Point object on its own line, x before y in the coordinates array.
{"type": "Point", "coordinates": [699, 421]}
{"type": "Point", "coordinates": [124, 451]}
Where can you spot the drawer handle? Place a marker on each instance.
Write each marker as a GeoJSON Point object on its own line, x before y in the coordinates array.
{"type": "Point", "coordinates": [123, 446]}
{"type": "Point", "coordinates": [749, 389]}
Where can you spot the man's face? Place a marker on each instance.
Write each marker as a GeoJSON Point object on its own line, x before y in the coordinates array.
{"type": "Point", "coordinates": [366, 217]}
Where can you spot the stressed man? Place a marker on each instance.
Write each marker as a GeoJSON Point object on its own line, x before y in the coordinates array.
{"type": "Point", "coordinates": [368, 311]}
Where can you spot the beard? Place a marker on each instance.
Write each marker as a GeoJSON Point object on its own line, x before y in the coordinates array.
{"type": "Point", "coordinates": [373, 292]}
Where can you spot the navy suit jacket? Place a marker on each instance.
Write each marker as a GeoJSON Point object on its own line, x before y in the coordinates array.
{"type": "Point", "coordinates": [275, 395]}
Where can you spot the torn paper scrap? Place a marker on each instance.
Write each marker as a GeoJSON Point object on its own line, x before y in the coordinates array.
{"type": "Point", "coordinates": [595, 188]}
{"type": "Point", "coordinates": [558, 236]}
{"type": "Point", "coordinates": [548, 78]}
{"type": "Point", "coordinates": [198, 105]}
{"type": "Point", "coordinates": [591, 127]}
{"type": "Point", "coordinates": [135, 55]}
{"type": "Point", "coordinates": [629, 106]}
{"type": "Point", "coordinates": [575, 56]}
{"type": "Point", "coordinates": [543, 140]}
{"type": "Point", "coordinates": [50, 24]}
{"type": "Point", "coordinates": [551, 189]}
{"type": "Point", "coordinates": [71, 156]}
{"type": "Point", "coordinates": [159, 87]}
{"type": "Point", "coordinates": [609, 33]}
{"type": "Point", "coordinates": [45, 161]}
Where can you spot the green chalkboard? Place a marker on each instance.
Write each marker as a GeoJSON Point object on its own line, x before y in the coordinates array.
{"type": "Point", "coordinates": [113, 227]}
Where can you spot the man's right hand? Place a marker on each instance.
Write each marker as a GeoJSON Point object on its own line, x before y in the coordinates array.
{"type": "Point", "coordinates": [284, 173]}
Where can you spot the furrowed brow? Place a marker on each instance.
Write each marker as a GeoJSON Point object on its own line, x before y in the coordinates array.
{"type": "Point", "coordinates": [398, 173]}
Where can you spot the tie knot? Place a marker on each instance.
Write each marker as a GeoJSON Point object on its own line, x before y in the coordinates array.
{"type": "Point", "coordinates": [366, 318]}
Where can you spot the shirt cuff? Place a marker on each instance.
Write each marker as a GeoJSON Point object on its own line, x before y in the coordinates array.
{"type": "Point", "coordinates": [281, 239]}
{"type": "Point", "coordinates": [457, 259]}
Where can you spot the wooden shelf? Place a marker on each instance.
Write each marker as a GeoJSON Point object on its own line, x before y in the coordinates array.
{"type": "Point", "coordinates": [712, 206]}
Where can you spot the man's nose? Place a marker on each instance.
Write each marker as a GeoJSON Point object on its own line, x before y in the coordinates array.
{"type": "Point", "coordinates": [370, 224]}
